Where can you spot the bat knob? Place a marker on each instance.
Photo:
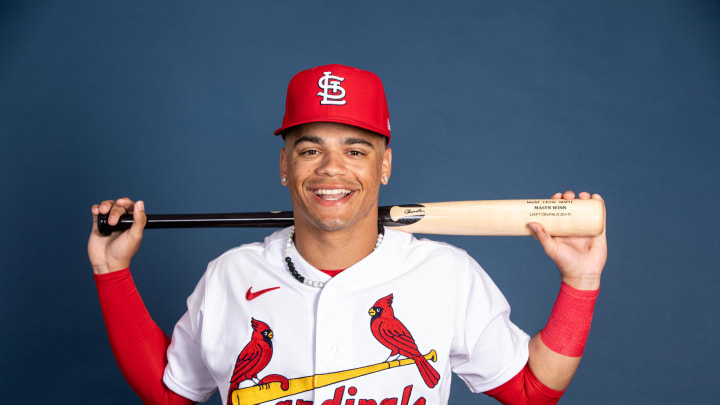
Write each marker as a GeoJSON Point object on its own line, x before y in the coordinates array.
{"type": "Point", "coordinates": [103, 227]}
{"type": "Point", "coordinates": [106, 229]}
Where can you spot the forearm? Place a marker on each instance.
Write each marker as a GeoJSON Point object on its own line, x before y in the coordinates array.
{"type": "Point", "coordinates": [138, 344]}
{"type": "Point", "coordinates": [554, 370]}
{"type": "Point", "coordinates": [555, 352]}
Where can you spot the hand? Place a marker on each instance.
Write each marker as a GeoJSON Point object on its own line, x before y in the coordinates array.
{"type": "Point", "coordinates": [114, 252]}
{"type": "Point", "coordinates": [579, 259]}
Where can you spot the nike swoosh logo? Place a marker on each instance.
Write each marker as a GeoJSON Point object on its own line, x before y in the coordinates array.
{"type": "Point", "coordinates": [250, 295]}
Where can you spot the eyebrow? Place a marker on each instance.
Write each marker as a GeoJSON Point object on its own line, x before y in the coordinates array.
{"type": "Point", "coordinates": [355, 141]}
{"type": "Point", "coordinates": [309, 138]}
{"type": "Point", "coordinates": [345, 141]}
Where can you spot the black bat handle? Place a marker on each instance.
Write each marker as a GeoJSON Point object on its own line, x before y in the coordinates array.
{"type": "Point", "coordinates": [106, 229]}
{"type": "Point", "coordinates": [272, 219]}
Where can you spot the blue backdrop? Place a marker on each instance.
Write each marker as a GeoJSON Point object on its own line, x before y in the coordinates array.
{"type": "Point", "coordinates": [175, 103]}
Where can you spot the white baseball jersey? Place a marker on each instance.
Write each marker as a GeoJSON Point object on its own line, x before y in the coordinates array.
{"type": "Point", "coordinates": [443, 299]}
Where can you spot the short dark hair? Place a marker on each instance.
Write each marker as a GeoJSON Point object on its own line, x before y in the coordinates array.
{"type": "Point", "coordinates": [290, 130]}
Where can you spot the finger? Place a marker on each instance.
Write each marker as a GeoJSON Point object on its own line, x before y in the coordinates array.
{"type": "Point", "coordinates": [106, 205]}
{"type": "Point", "coordinates": [95, 210]}
{"type": "Point", "coordinates": [116, 211]}
{"type": "Point", "coordinates": [125, 202]}
{"type": "Point", "coordinates": [556, 196]}
{"type": "Point", "coordinates": [139, 220]}
{"type": "Point", "coordinates": [584, 195]}
{"type": "Point", "coordinates": [597, 197]}
{"type": "Point", "coordinates": [541, 235]}
{"type": "Point", "coordinates": [569, 195]}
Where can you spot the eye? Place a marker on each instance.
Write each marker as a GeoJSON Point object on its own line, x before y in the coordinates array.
{"type": "Point", "coordinates": [356, 153]}
{"type": "Point", "coordinates": [309, 152]}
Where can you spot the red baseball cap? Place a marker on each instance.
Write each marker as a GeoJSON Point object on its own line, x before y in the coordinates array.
{"type": "Point", "coordinates": [337, 93]}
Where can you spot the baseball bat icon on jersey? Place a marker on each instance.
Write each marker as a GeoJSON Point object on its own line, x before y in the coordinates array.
{"type": "Point", "coordinates": [391, 333]}
{"type": "Point", "coordinates": [254, 357]}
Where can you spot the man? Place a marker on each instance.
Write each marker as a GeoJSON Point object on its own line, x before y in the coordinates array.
{"type": "Point", "coordinates": [337, 308]}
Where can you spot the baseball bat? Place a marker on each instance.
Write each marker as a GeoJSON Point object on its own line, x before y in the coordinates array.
{"type": "Point", "coordinates": [484, 217]}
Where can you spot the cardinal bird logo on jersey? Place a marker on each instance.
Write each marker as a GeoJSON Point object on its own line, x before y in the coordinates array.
{"type": "Point", "coordinates": [391, 333]}
{"type": "Point", "coordinates": [254, 357]}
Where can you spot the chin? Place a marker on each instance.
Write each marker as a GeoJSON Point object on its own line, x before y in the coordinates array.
{"type": "Point", "coordinates": [331, 225]}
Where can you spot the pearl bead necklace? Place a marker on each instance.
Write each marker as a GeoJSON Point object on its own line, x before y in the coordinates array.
{"type": "Point", "coordinates": [306, 281]}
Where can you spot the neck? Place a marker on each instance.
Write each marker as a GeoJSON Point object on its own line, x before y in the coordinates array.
{"type": "Point", "coordinates": [334, 250]}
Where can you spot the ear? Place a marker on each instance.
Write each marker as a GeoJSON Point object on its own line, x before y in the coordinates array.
{"type": "Point", "coordinates": [386, 166]}
{"type": "Point", "coordinates": [283, 163]}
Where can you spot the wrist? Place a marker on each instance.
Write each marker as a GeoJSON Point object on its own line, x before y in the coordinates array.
{"type": "Point", "coordinates": [113, 276]}
{"type": "Point", "coordinates": [99, 269]}
{"type": "Point", "coordinates": [583, 282]}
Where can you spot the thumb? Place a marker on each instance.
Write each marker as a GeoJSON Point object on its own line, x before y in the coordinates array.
{"type": "Point", "coordinates": [139, 221]}
{"type": "Point", "coordinates": [541, 235]}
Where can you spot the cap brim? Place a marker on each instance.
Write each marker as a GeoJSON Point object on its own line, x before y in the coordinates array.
{"type": "Point", "coordinates": [337, 120]}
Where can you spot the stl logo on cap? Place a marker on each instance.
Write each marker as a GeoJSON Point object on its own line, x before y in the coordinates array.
{"type": "Point", "coordinates": [347, 95]}
{"type": "Point", "coordinates": [337, 92]}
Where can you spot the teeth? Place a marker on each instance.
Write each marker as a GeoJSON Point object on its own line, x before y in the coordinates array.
{"type": "Point", "coordinates": [333, 191]}
{"type": "Point", "coordinates": [334, 194]}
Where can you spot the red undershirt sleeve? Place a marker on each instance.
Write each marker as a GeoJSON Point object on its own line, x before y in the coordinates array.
{"type": "Point", "coordinates": [525, 389]}
{"type": "Point", "coordinates": [139, 345]}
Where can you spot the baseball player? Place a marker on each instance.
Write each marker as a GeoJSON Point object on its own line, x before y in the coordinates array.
{"type": "Point", "coordinates": [337, 309]}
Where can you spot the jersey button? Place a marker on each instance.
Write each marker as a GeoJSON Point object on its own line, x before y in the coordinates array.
{"type": "Point", "coordinates": [332, 291]}
{"type": "Point", "coordinates": [332, 349]}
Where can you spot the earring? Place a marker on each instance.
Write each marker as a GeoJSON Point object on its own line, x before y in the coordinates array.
{"type": "Point", "coordinates": [283, 180]}
{"type": "Point", "coordinates": [385, 178]}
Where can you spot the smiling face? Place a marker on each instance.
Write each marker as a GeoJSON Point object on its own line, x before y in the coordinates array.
{"type": "Point", "coordinates": [334, 172]}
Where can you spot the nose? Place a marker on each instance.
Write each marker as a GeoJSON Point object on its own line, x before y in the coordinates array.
{"type": "Point", "coordinates": [332, 164]}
